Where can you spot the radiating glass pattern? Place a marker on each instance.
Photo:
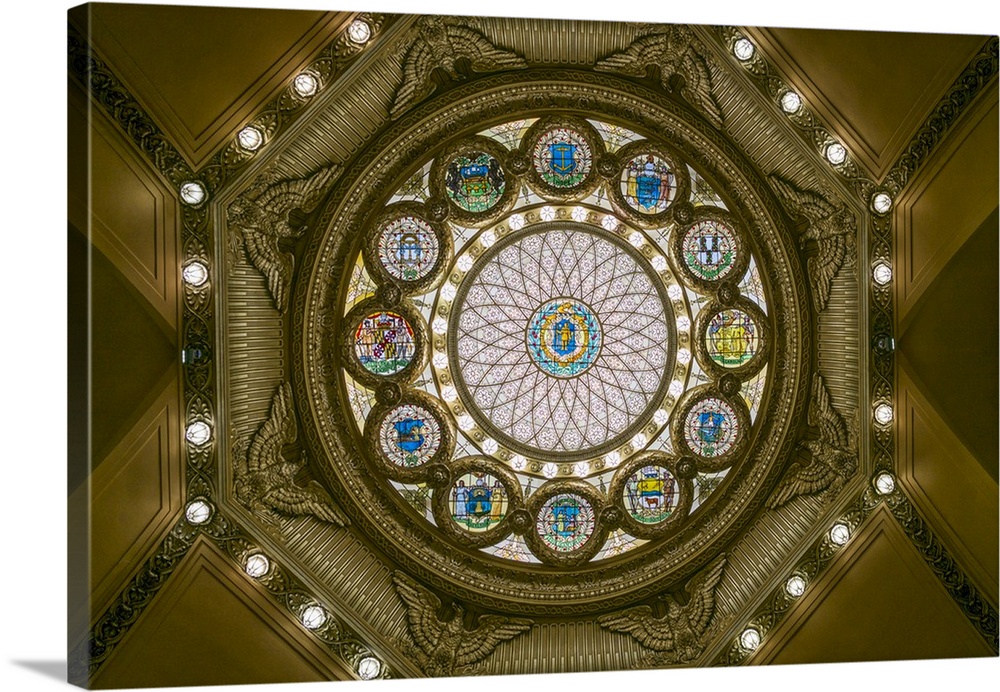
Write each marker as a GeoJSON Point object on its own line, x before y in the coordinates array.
{"type": "Point", "coordinates": [526, 402]}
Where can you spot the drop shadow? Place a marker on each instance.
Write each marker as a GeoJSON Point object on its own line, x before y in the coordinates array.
{"type": "Point", "coordinates": [50, 669]}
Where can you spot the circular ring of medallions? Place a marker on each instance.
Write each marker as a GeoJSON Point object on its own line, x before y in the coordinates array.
{"type": "Point", "coordinates": [474, 179]}
{"type": "Point", "coordinates": [732, 338]}
{"type": "Point", "coordinates": [567, 529]}
{"type": "Point", "coordinates": [650, 178]}
{"type": "Point", "coordinates": [654, 499]}
{"type": "Point", "coordinates": [589, 577]}
{"type": "Point", "coordinates": [406, 248]}
{"type": "Point", "coordinates": [475, 507]}
{"type": "Point", "coordinates": [709, 249]}
{"type": "Point", "coordinates": [604, 357]}
{"type": "Point", "coordinates": [409, 436]}
{"type": "Point", "coordinates": [712, 428]}
{"type": "Point", "coordinates": [384, 344]}
{"type": "Point", "coordinates": [563, 154]}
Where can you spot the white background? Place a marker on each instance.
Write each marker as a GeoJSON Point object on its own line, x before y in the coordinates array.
{"type": "Point", "coordinates": [32, 552]}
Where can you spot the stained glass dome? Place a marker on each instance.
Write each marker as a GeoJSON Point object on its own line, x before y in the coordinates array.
{"type": "Point", "coordinates": [559, 309]}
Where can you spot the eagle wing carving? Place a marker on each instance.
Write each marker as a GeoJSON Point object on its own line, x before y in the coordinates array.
{"type": "Point", "coordinates": [261, 215]}
{"type": "Point", "coordinates": [266, 481]}
{"type": "Point", "coordinates": [674, 52]}
{"type": "Point", "coordinates": [439, 43]}
{"type": "Point", "coordinates": [492, 630]}
{"type": "Point", "coordinates": [834, 454]}
{"type": "Point", "coordinates": [678, 635]}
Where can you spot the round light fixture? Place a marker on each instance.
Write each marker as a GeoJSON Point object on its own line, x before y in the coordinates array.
{"type": "Point", "coordinates": [743, 49]}
{"type": "Point", "coordinates": [882, 273]}
{"type": "Point", "coordinates": [791, 102]}
{"type": "Point", "coordinates": [305, 84]}
{"type": "Point", "coordinates": [836, 153]}
{"type": "Point", "coordinates": [881, 203]}
{"type": "Point", "coordinates": [884, 483]}
{"type": "Point", "coordinates": [795, 586]}
{"type": "Point", "coordinates": [198, 433]}
{"type": "Point", "coordinates": [313, 617]}
{"type": "Point", "coordinates": [198, 512]}
{"type": "Point", "coordinates": [257, 566]}
{"type": "Point", "coordinates": [193, 193]}
{"type": "Point", "coordinates": [369, 668]}
{"type": "Point", "coordinates": [250, 138]}
{"type": "Point", "coordinates": [883, 414]}
{"type": "Point", "coordinates": [840, 534]}
{"type": "Point", "coordinates": [195, 274]}
{"type": "Point", "coordinates": [359, 32]}
{"type": "Point", "coordinates": [750, 639]}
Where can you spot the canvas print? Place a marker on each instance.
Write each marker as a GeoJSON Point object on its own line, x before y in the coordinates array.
{"type": "Point", "coordinates": [426, 345]}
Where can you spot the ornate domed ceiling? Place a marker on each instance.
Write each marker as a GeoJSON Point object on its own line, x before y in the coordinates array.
{"type": "Point", "coordinates": [496, 345]}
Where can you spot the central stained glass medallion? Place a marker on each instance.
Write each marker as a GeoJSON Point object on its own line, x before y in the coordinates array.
{"type": "Point", "coordinates": [564, 337]}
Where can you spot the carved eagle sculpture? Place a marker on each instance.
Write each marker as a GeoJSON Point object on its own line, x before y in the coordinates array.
{"type": "Point", "coordinates": [265, 480]}
{"type": "Point", "coordinates": [262, 216]}
{"type": "Point", "coordinates": [677, 53]}
{"type": "Point", "coordinates": [834, 455]}
{"type": "Point", "coordinates": [440, 42]}
{"type": "Point", "coordinates": [678, 636]}
{"type": "Point", "coordinates": [443, 648]}
{"type": "Point", "coordinates": [832, 228]}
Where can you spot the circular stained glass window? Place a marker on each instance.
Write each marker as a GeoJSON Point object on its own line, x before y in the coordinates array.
{"type": "Point", "coordinates": [565, 522]}
{"type": "Point", "coordinates": [651, 495]}
{"type": "Point", "coordinates": [710, 250]}
{"type": "Point", "coordinates": [648, 184]}
{"type": "Point", "coordinates": [409, 436]}
{"type": "Point", "coordinates": [732, 338]}
{"type": "Point", "coordinates": [562, 158]}
{"type": "Point", "coordinates": [564, 337]}
{"type": "Point", "coordinates": [408, 248]}
{"type": "Point", "coordinates": [384, 343]}
{"type": "Point", "coordinates": [548, 375]}
{"type": "Point", "coordinates": [711, 428]}
{"type": "Point", "coordinates": [475, 181]}
{"type": "Point", "coordinates": [478, 502]}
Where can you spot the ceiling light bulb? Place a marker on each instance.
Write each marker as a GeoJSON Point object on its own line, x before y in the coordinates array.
{"type": "Point", "coordinates": [684, 356]}
{"type": "Point", "coordinates": [195, 274]}
{"type": "Point", "coordinates": [881, 203]}
{"type": "Point", "coordinates": [836, 153]}
{"type": "Point", "coordinates": [795, 586]}
{"type": "Point", "coordinates": [465, 422]}
{"type": "Point", "coordinates": [313, 617]}
{"type": "Point", "coordinates": [359, 32]}
{"type": "Point", "coordinates": [660, 416]}
{"type": "Point", "coordinates": [518, 462]}
{"type": "Point", "coordinates": [581, 468]}
{"type": "Point", "coordinates": [198, 512]}
{"type": "Point", "coordinates": [516, 222]}
{"type": "Point", "coordinates": [464, 263]}
{"type": "Point", "coordinates": [439, 325]}
{"type": "Point", "coordinates": [448, 291]}
{"type": "Point", "coordinates": [609, 223]}
{"type": "Point", "coordinates": [883, 414]}
{"type": "Point", "coordinates": [676, 388]}
{"type": "Point", "coordinates": [193, 193]}
{"type": "Point", "coordinates": [612, 459]}
{"type": "Point", "coordinates": [440, 360]}
{"type": "Point", "coordinates": [488, 238]}
{"type": "Point", "coordinates": [305, 84]}
{"type": "Point", "coordinates": [791, 102]}
{"type": "Point", "coordinates": [659, 263]}
{"type": "Point", "coordinates": [840, 534]}
{"type": "Point", "coordinates": [885, 483]}
{"type": "Point", "coordinates": [743, 49]}
{"type": "Point", "coordinates": [683, 323]}
{"type": "Point", "coordinates": [639, 441]}
{"type": "Point", "coordinates": [750, 639]}
{"type": "Point", "coordinates": [550, 470]}
{"type": "Point", "coordinates": [369, 668]}
{"type": "Point", "coordinates": [250, 138]}
{"type": "Point", "coordinates": [579, 214]}
{"type": "Point", "coordinates": [636, 239]}
{"type": "Point", "coordinates": [257, 566]}
{"type": "Point", "coordinates": [198, 433]}
{"type": "Point", "coordinates": [490, 445]}
{"type": "Point", "coordinates": [547, 213]}
{"type": "Point", "coordinates": [882, 273]}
